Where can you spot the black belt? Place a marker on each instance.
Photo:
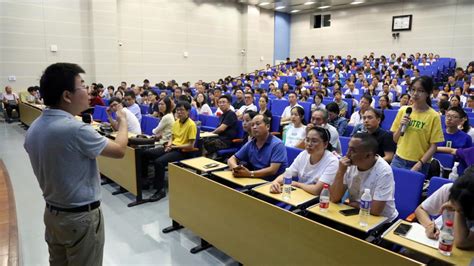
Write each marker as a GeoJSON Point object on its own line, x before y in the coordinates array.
{"type": "Point", "coordinates": [84, 208]}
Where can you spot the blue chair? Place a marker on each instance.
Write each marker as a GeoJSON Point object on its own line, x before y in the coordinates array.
{"type": "Point", "coordinates": [148, 124]}
{"type": "Point", "coordinates": [389, 117]}
{"type": "Point", "coordinates": [435, 183]}
{"type": "Point", "coordinates": [99, 112]}
{"type": "Point", "coordinates": [275, 124]}
{"type": "Point", "coordinates": [292, 153]}
{"type": "Point", "coordinates": [344, 144]}
{"type": "Point", "coordinates": [236, 143]}
{"type": "Point", "coordinates": [348, 130]}
{"type": "Point", "coordinates": [408, 189]}
{"type": "Point", "coordinates": [307, 110]}
{"type": "Point", "coordinates": [144, 109]}
{"type": "Point", "coordinates": [209, 123]}
{"type": "Point", "coordinates": [278, 106]}
{"type": "Point", "coordinates": [446, 160]}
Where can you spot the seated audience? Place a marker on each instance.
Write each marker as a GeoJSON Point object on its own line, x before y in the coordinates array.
{"type": "Point", "coordinates": [384, 103]}
{"type": "Point", "coordinates": [295, 133]}
{"type": "Point", "coordinates": [372, 119]}
{"type": "Point", "coordinates": [320, 117]}
{"type": "Point", "coordinates": [293, 99]}
{"type": "Point", "coordinates": [343, 106]}
{"type": "Point", "coordinates": [356, 117]}
{"type": "Point", "coordinates": [226, 130]}
{"type": "Point", "coordinates": [132, 106]}
{"type": "Point", "coordinates": [335, 119]}
{"type": "Point", "coordinates": [200, 103]}
{"type": "Point", "coordinates": [263, 104]}
{"type": "Point", "coordinates": [248, 100]}
{"type": "Point", "coordinates": [10, 102]}
{"type": "Point", "coordinates": [362, 168]}
{"type": "Point", "coordinates": [239, 101]}
{"type": "Point", "coordinates": [247, 125]}
{"type": "Point", "coordinates": [152, 100]}
{"type": "Point", "coordinates": [162, 132]}
{"type": "Point", "coordinates": [133, 125]}
{"type": "Point", "coordinates": [316, 165]}
{"type": "Point", "coordinates": [183, 136]}
{"type": "Point", "coordinates": [33, 95]}
{"type": "Point", "coordinates": [318, 102]}
{"type": "Point", "coordinates": [263, 157]}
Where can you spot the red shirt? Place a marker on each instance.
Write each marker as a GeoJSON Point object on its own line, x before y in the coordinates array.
{"type": "Point", "coordinates": [96, 101]}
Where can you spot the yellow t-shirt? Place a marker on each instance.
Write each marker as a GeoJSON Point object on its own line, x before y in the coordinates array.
{"type": "Point", "coordinates": [424, 129]}
{"type": "Point", "coordinates": [183, 132]}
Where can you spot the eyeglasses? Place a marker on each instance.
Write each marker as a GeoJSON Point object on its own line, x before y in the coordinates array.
{"type": "Point", "coordinates": [311, 141]}
{"type": "Point", "coordinates": [452, 117]}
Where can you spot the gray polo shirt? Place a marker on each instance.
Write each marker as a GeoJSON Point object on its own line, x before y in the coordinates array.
{"type": "Point", "coordinates": [63, 153]}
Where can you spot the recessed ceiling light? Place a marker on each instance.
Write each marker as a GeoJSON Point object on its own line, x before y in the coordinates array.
{"type": "Point", "coordinates": [324, 7]}
{"type": "Point", "coordinates": [295, 11]}
{"type": "Point", "coordinates": [356, 2]}
{"type": "Point", "coordinates": [309, 3]}
{"type": "Point", "coordinates": [279, 7]}
{"type": "Point", "coordinates": [263, 4]}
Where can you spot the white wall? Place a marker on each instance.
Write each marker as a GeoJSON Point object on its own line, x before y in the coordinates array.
{"type": "Point", "coordinates": [440, 26]}
{"type": "Point", "coordinates": [154, 35]}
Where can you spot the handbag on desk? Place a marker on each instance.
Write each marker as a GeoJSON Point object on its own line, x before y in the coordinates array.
{"type": "Point", "coordinates": [141, 140]}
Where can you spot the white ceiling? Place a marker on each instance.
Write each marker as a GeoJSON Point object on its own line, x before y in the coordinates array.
{"type": "Point", "coordinates": [291, 5]}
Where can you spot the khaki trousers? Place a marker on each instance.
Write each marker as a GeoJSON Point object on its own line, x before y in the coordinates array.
{"type": "Point", "coordinates": [75, 238]}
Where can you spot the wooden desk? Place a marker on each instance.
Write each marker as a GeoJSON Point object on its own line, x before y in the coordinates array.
{"type": "Point", "coordinates": [29, 112]}
{"type": "Point", "coordinates": [255, 232]}
{"type": "Point", "coordinates": [298, 196]}
{"type": "Point", "coordinates": [199, 163]}
{"type": "Point", "coordinates": [351, 221]}
{"type": "Point", "coordinates": [240, 181]}
{"type": "Point", "coordinates": [458, 257]}
{"type": "Point", "coordinates": [205, 134]}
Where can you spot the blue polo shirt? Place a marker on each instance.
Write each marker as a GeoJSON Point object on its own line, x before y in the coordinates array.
{"type": "Point", "coordinates": [458, 140]}
{"type": "Point", "coordinates": [273, 151]}
{"type": "Point", "coordinates": [63, 153]}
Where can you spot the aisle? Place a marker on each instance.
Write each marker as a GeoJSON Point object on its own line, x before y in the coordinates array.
{"type": "Point", "coordinates": [133, 235]}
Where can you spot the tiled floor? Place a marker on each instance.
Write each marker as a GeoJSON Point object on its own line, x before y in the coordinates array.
{"type": "Point", "coordinates": [133, 235]}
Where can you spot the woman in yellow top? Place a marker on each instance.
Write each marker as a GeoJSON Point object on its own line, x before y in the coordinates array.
{"type": "Point", "coordinates": [423, 129]}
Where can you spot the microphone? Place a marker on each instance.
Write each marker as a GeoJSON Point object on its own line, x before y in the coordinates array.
{"type": "Point", "coordinates": [407, 115]}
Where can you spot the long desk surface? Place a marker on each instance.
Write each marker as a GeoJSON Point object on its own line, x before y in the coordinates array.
{"type": "Point", "coordinates": [298, 196]}
{"type": "Point", "coordinates": [458, 256]}
{"type": "Point", "coordinates": [351, 221]}
{"type": "Point", "coordinates": [29, 112]}
{"type": "Point", "coordinates": [201, 163]}
{"type": "Point", "coordinates": [240, 181]}
{"type": "Point", "coordinates": [255, 232]}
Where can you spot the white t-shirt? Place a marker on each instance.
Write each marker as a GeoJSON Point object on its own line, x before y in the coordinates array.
{"type": "Point", "coordinates": [164, 127]}
{"type": "Point", "coordinates": [287, 111]}
{"type": "Point", "coordinates": [354, 92]}
{"type": "Point", "coordinates": [8, 97]}
{"type": "Point", "coordinates": [324, 170]}
{"type": "Point", "coordinates": [294, 136]}
{"type": "Point", "coordinates": [244, 108]}
{"type": "Point", "coordinates": [379, 179]}
{"type": "Point", "coordinates": [356, 118]}
{"type": "Point", "coordinates": [432, 205]}
{"type": "Point", "coordinates": [132, 122]}
{"type": "Point", "coordinates": [205, 110]}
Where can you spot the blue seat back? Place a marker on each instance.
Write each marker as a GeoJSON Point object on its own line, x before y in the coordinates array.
{"type": "Point", "coordinates": [99, 113]}
{"type": "Point", "coordinates": [446, 160]}
{"type": "Point", "coordinates": [291, 154]}
{"type": "Point", "coordinates": [389, 117]}
{"type": "Point", "coordinates": [408, 188]}
{"type": "Point", "coordinates": [344, 144]}
{"type": "Point", "coordinates": [275, 124]}
{"type": "Point", "coordinates": [435, 183]}
{"type": "Point", "coordinates": [278, 106]}
{"type": "Point", "coordinates": [307, 110]}
{"type": "Point", "coordinates": [144, 109]}
{"type": "Point", "coordinates": [149, 123]}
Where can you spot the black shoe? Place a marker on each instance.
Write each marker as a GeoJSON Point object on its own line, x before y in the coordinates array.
{"type": "Point", "coordinates": [157, 196]}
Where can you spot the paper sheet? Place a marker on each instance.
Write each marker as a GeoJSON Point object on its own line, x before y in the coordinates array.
{"type": "Point", "coordinates": [417, 234]}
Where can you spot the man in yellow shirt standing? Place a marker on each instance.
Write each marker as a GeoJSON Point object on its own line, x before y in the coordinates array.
{"type": "Point", "coordinates": [183, 136]}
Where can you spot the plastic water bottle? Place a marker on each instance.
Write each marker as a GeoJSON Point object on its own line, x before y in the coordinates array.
{"type": "Point", "coordinates": [446, 238]}
{"type": "Point", "coordinates": [287, 178]}
{"type": "Point", "coordinates": [364, 213]}
{"type": "Point", "coordinates": [324, 199]}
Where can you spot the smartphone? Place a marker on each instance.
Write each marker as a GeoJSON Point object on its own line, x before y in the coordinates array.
{"type": "Point", "coordinates": [350, 212]}
{"type": "Point", "coordinates": [210, 165]}
{"type": "Point", "coordinates": [402, 229]}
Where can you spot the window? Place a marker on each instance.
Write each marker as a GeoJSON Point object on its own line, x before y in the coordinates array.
{"type": "Point", "coordinates": [320, 21]}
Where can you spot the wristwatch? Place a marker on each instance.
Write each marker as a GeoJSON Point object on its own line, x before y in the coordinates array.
{"type": "Point", "coordinates": [252, 174]}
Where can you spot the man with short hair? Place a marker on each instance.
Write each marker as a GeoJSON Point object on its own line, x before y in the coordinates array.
{"type": "Point", "coordinates": [226, 131]}
{"type": "Point", "coordinates": [129, 101]}
{"type": "Point", "coordinates": [263, 157]}
{"type": "Point", "coordinates": [10, 102]}
{"type": "Point", "coordinates": [320, 117]}
{"type": "Point", "coordinates": [364, 104]}
{"type": "Point", "coordinates": [248, 100]}
{"type": "Point", "coordinates": [362, 169]}
{"type": "Point", "coordinates": [63, 152]}
{"type": "Point", "coordinates": [293, 99]}
{"type": "Point", "coordinates": [115, 104]}
{"type": "Point", "coordinates": [335, 119]}
{"type": "Point", "coordinates": [183, 136]}
{"type": "Point", "coordinates": [239, 101]}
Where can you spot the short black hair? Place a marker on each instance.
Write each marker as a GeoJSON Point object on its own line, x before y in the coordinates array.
{"type": "Point", "coordinates": [251, 113]}
{"type": "Point", "coordinates": [130, 93]}
{"type": "Point", "coordinates": [367, 97]}
{"type": "Point", "coordinates": [227, 97]}
{"type": "Point", "coordinates": [56, 79]}
{"type": "Point", "coordinates": [333, 107]}
{"type": "Point", "coordinates": [186, 105]}
{"type": "Point", "coordinates": [368, 142]}
{"type": "Point", "coordinates": [266, 119]}
{"type": "Point", "coordinates": [114, 99]}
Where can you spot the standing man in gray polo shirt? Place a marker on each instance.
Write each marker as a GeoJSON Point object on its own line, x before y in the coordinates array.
{"type": "Point", "coordinates": [63, 153]}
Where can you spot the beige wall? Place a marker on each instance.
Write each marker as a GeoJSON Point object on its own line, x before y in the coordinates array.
{"type": "Point", "coordinates": [439, 26]}
{"type": "Point", "coordinates": [154, 36]}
